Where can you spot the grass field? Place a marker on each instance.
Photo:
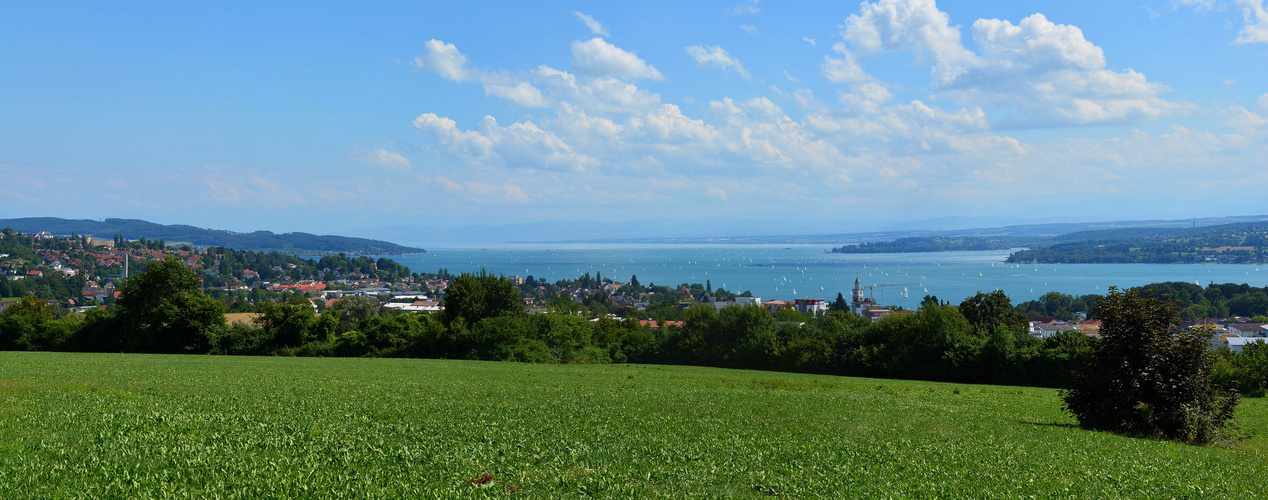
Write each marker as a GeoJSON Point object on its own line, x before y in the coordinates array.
{"type": "Point", "coordinates": [136, 426]}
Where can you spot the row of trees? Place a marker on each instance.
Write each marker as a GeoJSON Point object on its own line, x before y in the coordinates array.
{"type": "Point", "coordinates": [162, 310]}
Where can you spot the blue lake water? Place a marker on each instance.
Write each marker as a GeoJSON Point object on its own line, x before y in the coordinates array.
{"type": "Point", "coordinates": [790, 271]}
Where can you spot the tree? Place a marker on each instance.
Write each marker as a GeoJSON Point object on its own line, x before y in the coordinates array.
{"type": "Point", "coordinates": [164, 310]}
{"type": "Point", "coordinates": [839, 304]}
{"type": "Point", "coordinates": [473, 297]}
{"type": "Point", "coordinates": [1148, 375]}
{"type": "Point", "coordinates": [987, 311]}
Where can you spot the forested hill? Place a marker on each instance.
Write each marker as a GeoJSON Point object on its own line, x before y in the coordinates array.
{"type": "Point", "coordinates": [937, 244]}
{"type": "Point", "coordinates": [1227, 243]}
{"type": "Point", "coordinates": [132, 229]}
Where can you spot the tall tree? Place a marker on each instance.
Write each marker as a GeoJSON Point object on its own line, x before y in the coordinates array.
{"type": "Point", "coordinates": [987, 311]}
{"type": "Point", "coordinates": [473, 297]}
{"type": "Point", "coordinates": [164, 310]}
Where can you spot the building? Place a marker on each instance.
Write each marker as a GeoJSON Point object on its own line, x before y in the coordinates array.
{"type": "Point", "coordinates": [1236, 344]}
{"type": "Point", "coordinates": [810, 305]}
{"type": "Point", "coordinates": [865, 307]}
{"type": "Point", "coordinates": [748, 301]}
{"type": "Point", "coordinates": [1246, 329]}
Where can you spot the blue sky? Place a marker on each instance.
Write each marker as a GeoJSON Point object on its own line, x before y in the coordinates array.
{"type": "Point", "coordinates": [334, 117]}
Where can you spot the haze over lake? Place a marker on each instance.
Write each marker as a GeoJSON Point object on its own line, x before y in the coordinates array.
{"type": "Point", "coordinates": [789, 271]}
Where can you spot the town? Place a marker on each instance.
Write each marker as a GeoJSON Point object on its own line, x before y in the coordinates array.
{"type": "Point", "coordinates": [79, 273]}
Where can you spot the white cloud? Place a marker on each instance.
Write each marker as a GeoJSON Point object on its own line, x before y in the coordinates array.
{"type": "Point", "coordinates": [716, 193]}
{"type": "Point", "coordinates": [605, 95]}
{"type": "Point", "coordinates": [750, 29]}
{"type": "Point", "coordinates": [1037, 72]}
{"type": "Point", "coordinates": [518, 92]}
{"type": "Point", "coordinates": [1263, 103]}
{"type": "Point", "coordinates": [747, 7]}
{"type": "Point", "coordinates": [844, 69]}
{"type": "Point", "coordinates": [381, 158]}
{"type": "Point", "coordinates": [865, 98]}
{"type": "Point", "coordinates": [595, 26]}
{"type": "Point", "coordinates": [810, 41]}
{"type": "Point", "coordinates": [915, 26]}
{"type": "Point", "coordinates": [598, 57]}
{"type": "Point", "coordinates": [1255, 15]}
{"type": "Point", "coordinates": [717, 58]}
{"type": "Point", "coordinates": [790, 77]}
{"type": "Point", "coordinates": [1241, 118]}
{"type": "Point", "coordinates": [443, 59]}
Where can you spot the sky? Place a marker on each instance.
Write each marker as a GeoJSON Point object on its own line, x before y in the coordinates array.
{"type": "Point", "coordinates": [335, 117]}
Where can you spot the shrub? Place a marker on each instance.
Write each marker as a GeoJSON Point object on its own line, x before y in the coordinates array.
{"type": "Point", "coordinates": [1148, 376]}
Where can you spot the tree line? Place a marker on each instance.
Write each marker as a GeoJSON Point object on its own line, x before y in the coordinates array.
{"type": "Point", "coordinates": [984, 339]}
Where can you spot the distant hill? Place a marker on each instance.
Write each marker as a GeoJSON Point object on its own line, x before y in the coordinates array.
{"type": "Point", "coordinates": [1239, 243]}
{"type": "Point", "coordinates": [292, 243]}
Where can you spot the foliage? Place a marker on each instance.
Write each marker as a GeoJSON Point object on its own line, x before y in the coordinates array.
{"type": "Point", "coordinates": [1226, 243]}
{"type": "Point", "coordinates": [989, 311]}
{"type": "Point", "coordinates": [474, 297]}
{"type": "Point", "coordinates": [163, 310]}
{"type": "Point", "coordinates": [935, 244]}
{"type": "Point", "coordinates": [1149, 376]}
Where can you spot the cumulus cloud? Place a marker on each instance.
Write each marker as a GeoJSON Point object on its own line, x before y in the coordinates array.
{"type": "Point", "coordinates": [716, 58]}
{"type": "Point", "coordinates": [598, 57]}
{"type": "Point", "coordinates": [915, 26]}
{"type": "Point", "coordinates": [1040, 73]}
{"type": "Point", "coordinates": [1255, 15]}
{"type": "Point", "coordinates": [865, 98]}
{"type": "Point", "coordinates": [1263, 103]}
{"type": "Point", "coordinates": [443, 59]}
{"type": "Point", "coordinates": [844, 69]}
{"type": "Point", "coordinates": [520, 145]}
{"type": "Point", "coordinates": [595, 26]}
{"type": "Point", "coordinates": [810, 41]}
{"type": "Point", "coordinates": [750, 29]}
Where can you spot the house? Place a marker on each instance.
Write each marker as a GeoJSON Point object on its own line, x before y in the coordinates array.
{"type": "Point", "coordinates": [1091, 328]}
{"type": "Point", "coordinates": [35, 274]}
{"type": "Point", "coordinates": [1045, 330]}
{"type": "Point", "coordinates": [1246, 329]}
{"type": "Point", "coordinates": [775, 306]}
{"type": "Point", "coordinates": [873, 312]}
{"type": "Point", "coordinates": [810, 305]}
{"type": "Point", "coordinates": [748, 301]}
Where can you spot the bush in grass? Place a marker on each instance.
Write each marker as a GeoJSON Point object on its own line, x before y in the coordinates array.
{"type": "Point", "coordinates": [1149, 376]}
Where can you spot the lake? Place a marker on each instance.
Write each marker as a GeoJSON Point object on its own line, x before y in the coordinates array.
{"type": "Point", "coordinates": [790, 271]}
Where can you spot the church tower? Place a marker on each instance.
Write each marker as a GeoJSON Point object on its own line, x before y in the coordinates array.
{"type": "Point", "coordinates": [858, 291]}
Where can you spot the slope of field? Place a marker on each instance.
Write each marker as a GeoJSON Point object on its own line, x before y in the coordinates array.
{"type": "Point", "coordinates": [132, 426]}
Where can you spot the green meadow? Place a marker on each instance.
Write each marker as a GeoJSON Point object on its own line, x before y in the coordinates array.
{"type": "Point", "coordinates": [159, 426]}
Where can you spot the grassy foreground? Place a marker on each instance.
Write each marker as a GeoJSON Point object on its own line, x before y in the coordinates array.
{"type": "Point", "coordinates": [136, 426]}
